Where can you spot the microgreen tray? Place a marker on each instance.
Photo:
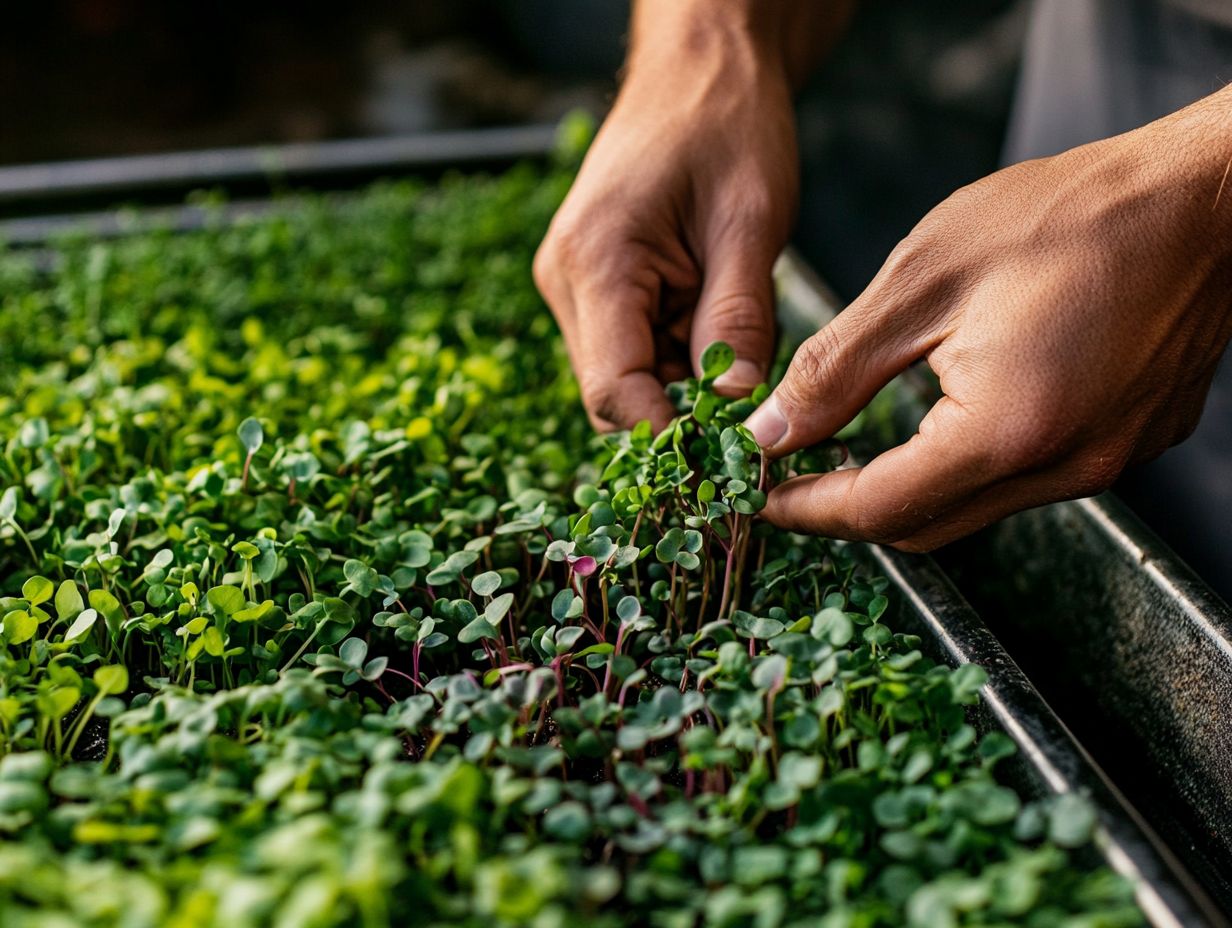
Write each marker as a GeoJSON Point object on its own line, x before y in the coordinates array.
{"type": "Point", "coordinates": [1050, 760]}
{"type": "Point", "coordinates": [1133, 649]}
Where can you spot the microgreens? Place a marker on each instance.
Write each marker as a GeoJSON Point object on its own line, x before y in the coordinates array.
{"type": "Point", "coordinates": [321, 606]}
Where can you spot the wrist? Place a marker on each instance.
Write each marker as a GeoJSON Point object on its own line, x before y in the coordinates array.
{"type": "Point", "coordinates": [685, 39]}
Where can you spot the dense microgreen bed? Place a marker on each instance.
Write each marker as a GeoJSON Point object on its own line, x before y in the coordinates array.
{"type": "Point", "coordinates": [322, 606]}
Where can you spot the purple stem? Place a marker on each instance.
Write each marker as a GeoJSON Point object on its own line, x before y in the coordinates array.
{"type": "Point", "coordinates": [727, 575]}
{"type": "Point", "coordinates": [560, 681]}
{"type": "Point", "coordinates": [399, 673]}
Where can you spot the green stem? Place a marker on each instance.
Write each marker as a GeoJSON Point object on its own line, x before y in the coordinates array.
{"type": "Point", "coordinates": [26, 538]}
{"type": "Point", "coordinates": [80, 725]}
{"type": "Point", "coordinates": [302, 648]}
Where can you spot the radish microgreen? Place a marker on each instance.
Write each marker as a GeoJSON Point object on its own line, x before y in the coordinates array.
{"type": "Point", "coordinates": [321, 605]}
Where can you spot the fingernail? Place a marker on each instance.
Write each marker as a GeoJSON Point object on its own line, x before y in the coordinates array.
{"type": "Point", "coordinates": [742, 375]}
{"type": "Point", "coordinates": [768, 424]}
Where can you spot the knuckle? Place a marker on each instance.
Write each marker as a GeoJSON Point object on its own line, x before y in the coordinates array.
{"type": "Point", "coordinates": [566, 240]}
{"type": "Point", "coordinates": [914, 260]}
{"type": "Point", "coordinates": [743, 315]}
{"type": "Point", "coordinates": [1032, 440]}
{"type": "Point", "coordinates": [1099, 471]}
{"type": "Point", "coordinates": [561, 253]}
{"type": "Point", "coordinates": [755, 202]}
{"type": "Point", "coordinates": [750, 197]}
{"type": "Point", "coordinates": [1185, 427]}
{"type": "Point", "coordinates": [543, 270]}
{"type": "Point", "coordinates": [589, 250]}
{"type": "Point", "coordinates": [1018, 451]}
{"type": "Point", "coordinates": [815, 363]}
{"type": "Point", "coordinates": [600, 424]}
{"type": "Point", "coordinates": [602, 399]}
{"type": "Point", "coordinates": [906, 255]}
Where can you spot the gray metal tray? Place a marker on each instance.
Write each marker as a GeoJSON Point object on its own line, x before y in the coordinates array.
{"type": "Point", "coordinates": [1050, 760]}
{"type": "Point", "coordinates": [1134, 650]}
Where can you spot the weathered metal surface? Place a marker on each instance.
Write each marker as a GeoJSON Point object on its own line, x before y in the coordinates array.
{"type": "Point", "coordinates": [1133, 649]}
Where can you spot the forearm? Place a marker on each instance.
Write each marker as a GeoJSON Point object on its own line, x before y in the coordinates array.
{"type": "Point", "coordinates": [789, 36]}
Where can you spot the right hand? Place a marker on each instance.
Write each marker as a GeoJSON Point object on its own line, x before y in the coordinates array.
{"type": "Point", "coordinates": [667, 240]}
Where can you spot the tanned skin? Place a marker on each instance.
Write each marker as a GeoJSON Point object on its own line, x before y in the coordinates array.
{"type": "Point", "coordinates": [1074, 308]}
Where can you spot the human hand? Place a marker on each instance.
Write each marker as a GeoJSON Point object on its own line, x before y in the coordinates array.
{"type": "Point", "coordinates": [667, 240]}
{"type": "Point", "coordinates": [1074, 309]}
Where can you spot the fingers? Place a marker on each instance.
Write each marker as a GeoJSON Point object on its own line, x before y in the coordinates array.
{"type": "Point", "coordinates": [616, 355]}
{"type": "Point", "coordinates": [605, 292]}
{"type": "Point", "coordinates": [899, 493]}
{"type": "Point", "coordinates": [963, 471]}
{"type": "Point", "coordinates": [838, 371]}
{"type": "Point", "coordinates": [736, 306]}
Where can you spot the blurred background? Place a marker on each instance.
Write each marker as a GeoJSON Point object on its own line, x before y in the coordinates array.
{"type": "Point", "coordinates": [912, 105]}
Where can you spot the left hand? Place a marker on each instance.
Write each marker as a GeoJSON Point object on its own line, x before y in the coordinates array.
{"type": "Point", "coordinates": [1075, 309]}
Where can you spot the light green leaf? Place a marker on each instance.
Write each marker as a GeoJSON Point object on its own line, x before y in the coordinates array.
{"type": "Point", "coordinates": [255, 613]}
{"type": "Point", "coordinates": [226, 599]}
{"type": "Point", "coordinates": [68, 600]}
{"type": "Point", "coordinates": [353, 651]}
{"type": "Point", "coordinates": [478, 628]}
{"type": "Point", "coordinates": [1071, 820]}
{"type": "Point", "coordinates": [363, 579]}
{"type": "Point", "coordinates": [717, 359]}
{"type": "Point", "coordinates": [19, 626]}
{"type": "Point", "coordinates": [252, 436]}
{"type": "Point", "coordinates": [486, 583]}
{"type": "Point", "coordinates": [37, 590]}
{"type": "Point", "coordinates": [8, 503]}
{"type": "Point", "coordinates": [213, 641]}
{"type": "Point", "coordinates": [109, 608]}
{"type": "Point", "coordinates": [111, 679]}
{"type": "Point", "coordinates": [85, 622]}
{"type": "Point", "coordinates": [498, 607]}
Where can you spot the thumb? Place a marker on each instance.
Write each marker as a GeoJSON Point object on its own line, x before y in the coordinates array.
{"type": "Point", "coordinates": [736, 306]}
{"type": "Point", "coordinates": [836, 373]}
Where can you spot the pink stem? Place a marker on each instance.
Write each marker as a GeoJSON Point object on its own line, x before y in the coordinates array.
{"type": "Point", "coordinates": [399, 673]}
{"type": "Point", "coordinates": [727, 576]}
